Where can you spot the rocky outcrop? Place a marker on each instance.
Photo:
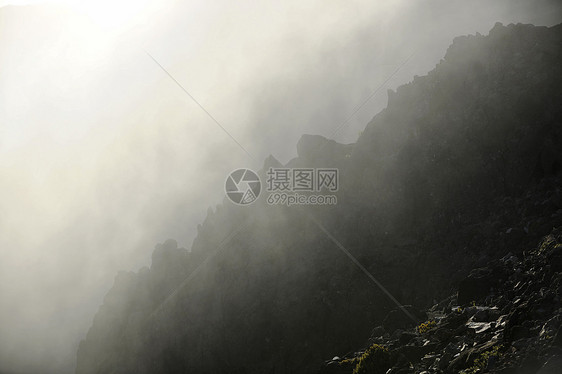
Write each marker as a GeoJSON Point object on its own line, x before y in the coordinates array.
{"type": "Point", "coordinates": [316, 147]}
{"type": "Point", "coordinates": [513, 324]}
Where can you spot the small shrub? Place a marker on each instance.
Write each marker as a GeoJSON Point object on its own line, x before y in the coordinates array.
{"type": "Point", "coordinates": [548, 243]}
{"type": "Point", "coordinates": [347, 361]}
{"type": "Point", "coordinates": [426, 326]}
{"type": "Point", "coordinates": [481, 362]}
{"type": "Point", "coordinates": [375, 360]}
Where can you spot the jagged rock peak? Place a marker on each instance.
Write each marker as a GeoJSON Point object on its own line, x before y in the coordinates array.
{"type": "Point", "coordinates": [166, 253]}
{"type": "Point", "coordinates": [312, 147]}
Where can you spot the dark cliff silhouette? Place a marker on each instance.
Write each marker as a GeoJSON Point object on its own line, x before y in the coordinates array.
{"type": "Point", "coordinates": [462, 167]}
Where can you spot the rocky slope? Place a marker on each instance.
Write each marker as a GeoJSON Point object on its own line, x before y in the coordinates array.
{"type": "Point", "coordinates": [462, 167]}
{"type": "Point", "coordinates": [505, 318]}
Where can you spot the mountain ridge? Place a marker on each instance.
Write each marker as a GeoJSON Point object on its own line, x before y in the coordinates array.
{"type": "Point", "coordinates": [422, 201]}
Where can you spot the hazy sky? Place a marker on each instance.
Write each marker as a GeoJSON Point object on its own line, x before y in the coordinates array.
{"type": "Point", "coordinates": [102, 155]}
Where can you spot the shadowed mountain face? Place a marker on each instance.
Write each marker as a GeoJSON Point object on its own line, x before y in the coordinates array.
{"type": "Point", "coordinates": [460, 168]}
{"type": "Point", "coordinates": [505, 318]}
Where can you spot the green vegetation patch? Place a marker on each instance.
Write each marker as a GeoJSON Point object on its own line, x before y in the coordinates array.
{"type": "Point", "coordinates": [481, 362]}
{"type": "Point", "coordinates": [426, 326]}
{"type": "Point", "coordinates": [375, 360]}
{"type": "Point", "coordinates": [548, 243]}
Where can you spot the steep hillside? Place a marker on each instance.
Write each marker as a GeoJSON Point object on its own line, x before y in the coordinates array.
{"type": "Point", "coordinates": [512, 324]}
{"type": "Point", "coordinates": [462, 167]}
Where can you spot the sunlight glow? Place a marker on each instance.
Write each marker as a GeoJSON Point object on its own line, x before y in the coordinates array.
{"type": "Point", "coordinates": [113, 17]}
{"type": "Point", "coordinates": [119, 16]}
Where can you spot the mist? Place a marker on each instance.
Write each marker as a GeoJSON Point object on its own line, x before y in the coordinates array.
{"type": "Point", "coordinates": [102, 154]}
